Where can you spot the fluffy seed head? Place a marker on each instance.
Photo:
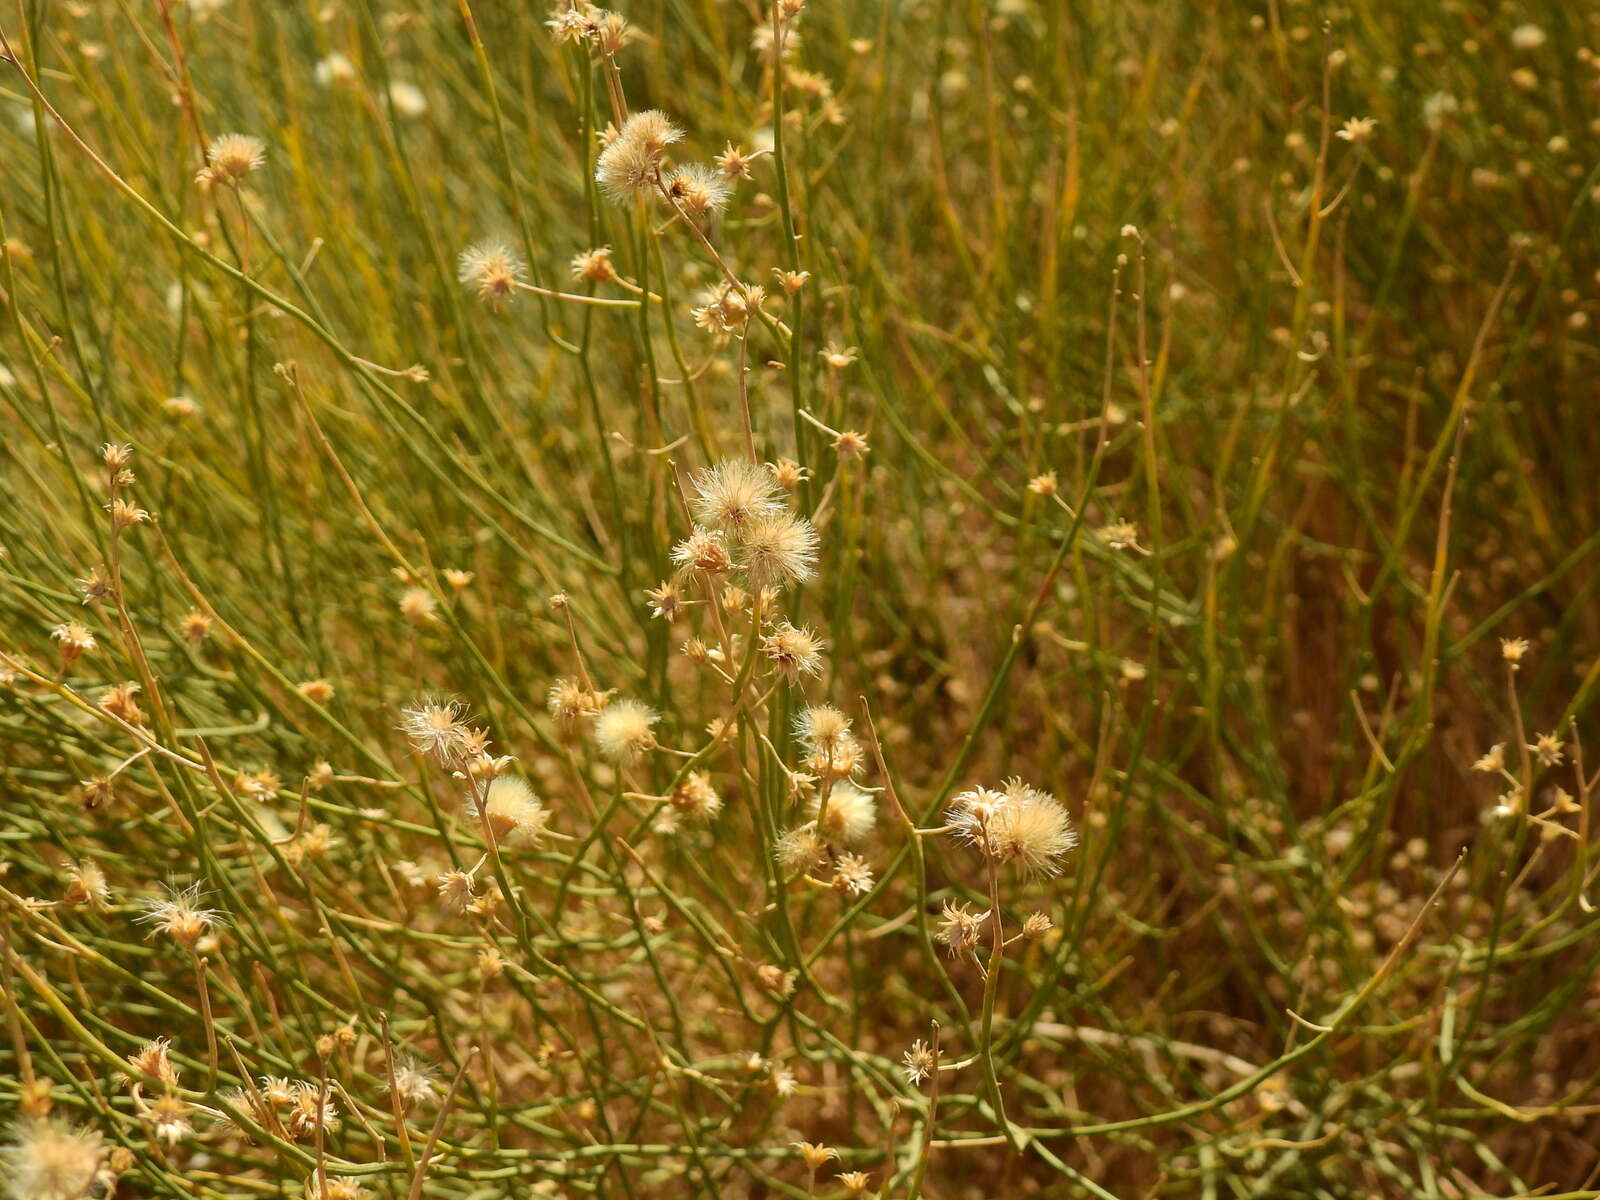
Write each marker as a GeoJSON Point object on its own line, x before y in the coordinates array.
{"type": "Point", "coordinates": [514, 813]}
{"type": "Point", "coordinates": [651, 129]}
{"type": "Point", "coordinates": [628, 166]}
{"type": "Point", "coordinates": [418, 606]}
{"type": "Point", "coordinates": [793, 652]}
{"type": "Point", "coordinates": [822, 728]}
{"type": "Point", "coordinates": [779, 550]}
{"type": "Point", "coordinates": [1528, 37]}
{"type": "Point", "coordinates": [180, 916]}
{"type": "Point", "coordinates": [623, 731]}
{"type": "Point", "coordinates": [335, 68]}
{"type": "Point", "coordinates": [48, 1159]}
{"type": "Point", "coordinates": [704, 552]}
{"type": "Point", "coordinates": [86, 884]}
{"type": "Point", "coordinates": [437, 728]}
{"type": "Point", "coordinates": [734, 495]}
{"type": "Point", "coordinates": [1020, 824]}
{"type": "Point", "coordinates": [700, 191]}
{"type": "Point", "coordinates": [625, 170]}
{"type": "Point", "coordinates": [971, 810]}
{"type": "Point", "coordinates": [851, 813]}
{"type": "Point", "coordinates": [798, 849]}
{"type": "Point", "coordinates": [277, 1092]}
{"type": "Point", "coordinates": [696, 798]}
{"type": "Point", "coordinates": [408, 99]}
{"type": "Point", "coordinates": [491, 270]}
{"type": "Point", "coordinates": [571, 704]}
{"type": "Point", "coordinates": [234, 155]}
{"type": "Point", "coordinates": [414, 1082]}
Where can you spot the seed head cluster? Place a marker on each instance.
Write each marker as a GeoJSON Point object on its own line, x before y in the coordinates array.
{"type": "Point", "coordinates": [631, 163]}
{"type": "Point", "coordinates": [744, 525]}
{"type": "Point", "coordinates": [1018, 824]}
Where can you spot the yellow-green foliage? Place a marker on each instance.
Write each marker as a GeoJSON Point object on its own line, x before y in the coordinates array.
{"type": "Point", "coordinates": [934, 598]}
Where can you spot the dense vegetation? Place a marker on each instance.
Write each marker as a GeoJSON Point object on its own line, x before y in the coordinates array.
{"type": "Point", "coordinates": [926, 599]}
